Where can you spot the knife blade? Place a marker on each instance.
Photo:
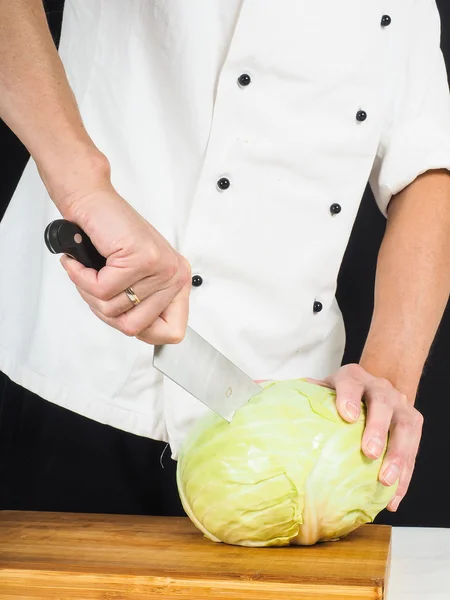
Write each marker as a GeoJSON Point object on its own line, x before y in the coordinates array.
{"type": "Point", "coordinates": [193, 364]}
{"type": "Point", "coordinates": [199, 368]}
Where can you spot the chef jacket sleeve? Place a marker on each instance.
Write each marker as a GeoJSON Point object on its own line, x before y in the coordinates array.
{"type": "Point", "coordinates": [416, 137]}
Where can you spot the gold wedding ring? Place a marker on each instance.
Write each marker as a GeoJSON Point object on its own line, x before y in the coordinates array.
{"type": "Point", "coordinates": [132, 297]}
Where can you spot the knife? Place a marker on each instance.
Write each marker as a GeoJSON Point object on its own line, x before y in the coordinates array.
{"type": "Point", "coordinates": [193, 364]}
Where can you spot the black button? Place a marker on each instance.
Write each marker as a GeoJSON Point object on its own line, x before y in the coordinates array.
{"type": "Point", "coordinates": [335, 209]}
{"type": "Point", "coordinates": [223, 183]}
{"type": "Point", "coordinates": [244, 80]}
{"type": "Point", "coordinates": [385, 21]}
{"type": "Point", "coordinates": [361, 115]}
{"type": "Point", "coordinates": [317, 306]}
{"type": "Point", "coordinates": [197, 280]}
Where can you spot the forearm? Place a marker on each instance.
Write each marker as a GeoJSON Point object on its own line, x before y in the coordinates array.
{"type": "Point", "coordinates": [412, 283]}
{"type": "Point", "coordinates": [37, 103]}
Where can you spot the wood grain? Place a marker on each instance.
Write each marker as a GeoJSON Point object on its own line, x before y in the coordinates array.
{"type": "Point", "coordinates": [113, 557]}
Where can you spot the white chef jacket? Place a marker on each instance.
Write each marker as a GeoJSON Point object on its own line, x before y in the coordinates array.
{"type": "Point", "coordinates": [337, 93]}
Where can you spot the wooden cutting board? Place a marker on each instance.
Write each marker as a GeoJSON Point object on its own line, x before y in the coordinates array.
{"type": "Point", "coordinates": [109, 557]}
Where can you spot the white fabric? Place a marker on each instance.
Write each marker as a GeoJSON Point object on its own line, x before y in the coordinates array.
{"type": "Point", "coordinates": [156, 81]}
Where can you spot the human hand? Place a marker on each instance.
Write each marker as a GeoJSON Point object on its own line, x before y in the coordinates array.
{"type": "Point", "coordinates": [138, 257]}
{"type": "Point", "coordinates": [388, 412]}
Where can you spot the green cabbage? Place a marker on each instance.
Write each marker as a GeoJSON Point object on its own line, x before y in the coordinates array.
{"type": "Point", "coordinates": [287, 470]}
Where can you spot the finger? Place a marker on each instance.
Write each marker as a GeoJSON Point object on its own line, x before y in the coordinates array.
{"type": "Point", "coordinates": [112, 279]}
{"type": "Point", "coordinates": [170, 327]}
{"type": "Point", "coordinates": [403, 445]}
{"type": "Point", "coordinates": [121, 303]}
{"type": "Point", "coordinates": [380, 401]}
{"type": "Point", "coordinates": [142, 316]}
{"type": "Point", "coordinates": [109, 282]}
{"type": "Point", "coordinates": [165, 269]}
{"type": "Point", "coordinates": [321, 382]}
{"type": "Point", "coordinates": [403, 485]}
{"type": "Point", "coordinates": [350, 386]}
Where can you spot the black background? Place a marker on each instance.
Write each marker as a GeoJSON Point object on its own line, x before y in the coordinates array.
{"type": "Point", "coordinates": [428, 501]}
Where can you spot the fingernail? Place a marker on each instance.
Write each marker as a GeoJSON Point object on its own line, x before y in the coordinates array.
{"type": "Point", "coordinates": [375, 446]}
{"type": "Point", "coordinates": [390, 474]}
{"type": "Point", "coordinates": [394, 503]}
{"type": "Point", "coordinates": [351, 410]}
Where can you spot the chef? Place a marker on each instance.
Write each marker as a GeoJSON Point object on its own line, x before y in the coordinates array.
{"type": "Point", "coordinates": [216, 153]}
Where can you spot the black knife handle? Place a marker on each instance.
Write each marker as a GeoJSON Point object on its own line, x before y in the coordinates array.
{"type": "Point", "coordinates": [64, 237]}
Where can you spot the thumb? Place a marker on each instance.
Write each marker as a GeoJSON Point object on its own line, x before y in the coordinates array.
{"type": "Point", "coordinates": [81, 276]}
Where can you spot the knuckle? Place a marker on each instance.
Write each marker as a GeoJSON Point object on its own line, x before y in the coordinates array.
{"type": "Point", "coordinates": [354, 370]}
{"type": "Point", "coordinates": [406, 425]}
{"type": "Point", "coordinates": [150, 259]}
{"type": "Point", "coordinates": [169, 269]}
{"type": "Point", "coordinates": [184, 272]}
{"type": "Point", "coordinates": [143, 337]}
{"type": "Point", "coordinates": [377, 430]}
{"type": "Point", "coordinates": [382, 399]}
{"type": "Point", "coordinates": [403, 399]}
{"type": "Point", "coordinates": [417, 419]}
{"type": "Point", "coordinates": [103, 294]}
{"type": "Point", "coordinates": [397, 398]}
{"type": "Point", "coordinates": [175, 336]}
{"type": "Point", "coordinates": [417, 416]}
{"type": "Point", "coordinates": [398, 459]}
{"type": "Point", "coordinates": [384, 383]}
{"type": "Point", "coordinates": [129, 329]}
{"type": "Point", "coordinates": [108, 310]}
{"type": "Point", "coordinates": [410, 421]}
